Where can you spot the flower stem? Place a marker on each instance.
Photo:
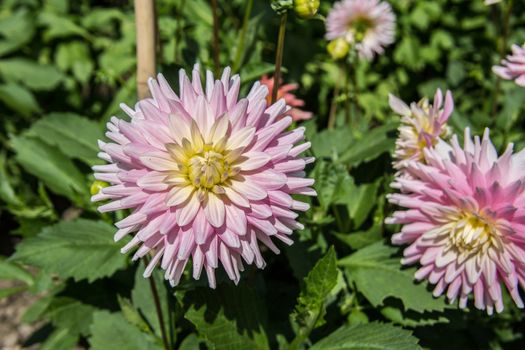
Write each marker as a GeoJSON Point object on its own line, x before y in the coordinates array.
{"type": "Point", "coordinates": [333, 108]}
{"type": "Point", "coordinates": [146, 51]}
{"type": "Point", "coordinates": [355, 114]}
{"type": "Point", "coordinates": [279, 56]}
{"type": "Point", "coordinates": [242, 38]}
{"type": "Point", "coordinates": [156, 300]}
{"type": "Point", "coordinates": [502, 50]}
{"type": "Point", "coordinates": [304, 333]}
{"type": "Point", "coordinates": [216, 61]}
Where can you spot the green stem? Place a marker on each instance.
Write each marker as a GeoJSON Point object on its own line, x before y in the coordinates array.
{"type": "Point", "coordinates": [304, 333]}
{"type": "Point", "coordinates": [333, 108]}
{"type": "Point", "coordinates": [279, 56]}
{"type": "Point", "coordinates": [240, 48]}
{"type": "Point", "coordinates": [216, 60]}
{"type": "Point", "coordinates": [502, 51]}
{"type": "Point", "coordinates": [347, 93]}
{"type": "Point", "coordinates": [355, 114]}
{"type": "Point", "coordinates": [156, 300]}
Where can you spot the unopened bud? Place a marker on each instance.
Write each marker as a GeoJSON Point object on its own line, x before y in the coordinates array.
{"type": "Point", "coordinates": [281, 6]}
{"type": "Point", "coordinates": [338, 48]}
{"type": "Point", "coordinates": [96, 186]}
{"type": "Point", "coordinates": [306, 9]}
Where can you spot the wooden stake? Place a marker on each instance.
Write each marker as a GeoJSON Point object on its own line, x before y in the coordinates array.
{"type": "Point", "coordinates": [146, 45]}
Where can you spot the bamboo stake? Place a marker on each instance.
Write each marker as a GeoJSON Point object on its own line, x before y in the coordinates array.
{"type": "Point", "coordinates": [146, 45]}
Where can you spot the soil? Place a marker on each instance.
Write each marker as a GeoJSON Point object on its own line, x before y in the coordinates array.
{"type": "Point", "coordinates": [13, 332]}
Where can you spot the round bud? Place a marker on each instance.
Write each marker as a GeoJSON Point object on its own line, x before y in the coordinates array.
{"type": "Point", "coordinates": [96, 186]}
{"type": "Point", "coordinates": [338, 48]}
{"type": "Point", "coordinates": [306, 9]}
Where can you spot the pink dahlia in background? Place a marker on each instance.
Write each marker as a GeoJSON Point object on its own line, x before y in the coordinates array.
{"type": "Point", "coordinates": [207, 176]}
{"type": "Point", "coordinates": [465, 221]}
{"type": "Point", "coordinates": [513, 67]}
{"type": "Point", "coordinates": [422, 124]}
{"type": "Point", "coordinates": [285, 92]}
{"type": "Point", "coordinates": [369, 25]}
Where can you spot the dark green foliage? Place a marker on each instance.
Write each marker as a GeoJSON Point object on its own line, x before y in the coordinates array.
{"type": "Point", "coordinates": [65, 66]}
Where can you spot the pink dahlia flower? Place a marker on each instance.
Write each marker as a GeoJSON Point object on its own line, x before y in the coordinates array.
{"type": "Point", "coordinates": [207, 176]}
{"type": "Point", "coordinates": [513, 67]}
{"type": "Point", "coordinates": [369, 25]}
{"type": "Point", "coordinates": [285, 92]}
{"type": "Point", "coordinates": [465, 221]}
{"type": "Point", "coordinates": [422, 124]}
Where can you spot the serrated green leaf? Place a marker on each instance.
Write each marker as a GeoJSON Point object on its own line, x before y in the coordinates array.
{"type": "Point", "coordinates": [112, 329]}
{"type": "Point", "coordinates": [75, 56]}
{"type": "Point", "coordinates": [81, 249]}
{"type": "Point", "coordinates": [70, 314]}
{"type": "Point", "coordinates": [74, 135]}
{"type": "Point", "coordinates": [317, 286]}
{"type": "Point", "coordinates": [51, 166]}
{"type": "Point", "coordinates": [378, 276]}
{"type": "Point", "coordinates": [12, 271]}
{"type": "Point", "coordinates": [34, 75]}
{"type": "Point", "coordinates": [412, 319]}
{"type": "Point", "coordinates": [131, 315]}
{"type": "Point", "coordinates": [371, 336]}
{"type": "Point", "coordinates": [230, 317]}
{"type": "Point", "coordinates": [60, 27]}
{"type": "Point", "coordinates": [7, 193]}
{"type": "Point", "coordinates": [19, 99]}
{"type": "Point", "coordinates": [330, 142]}
{"type": "Point", "coordinates": [361, 201]}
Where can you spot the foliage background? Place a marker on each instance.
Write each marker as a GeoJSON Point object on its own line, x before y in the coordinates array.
{"type": "Point", "coordinates": [64, 68]}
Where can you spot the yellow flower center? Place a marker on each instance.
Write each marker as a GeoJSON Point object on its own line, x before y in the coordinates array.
{"type": "Point", "coordinates": [473, 233]}
{"type": "Point", "coordinates": [207, 169]}
{"type": "Point", "coordinates": [359, 27]}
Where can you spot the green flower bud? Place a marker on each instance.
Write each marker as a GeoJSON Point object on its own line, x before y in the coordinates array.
{"type": "Point", "coordinates": [281, 6]}
{"type": "Point", "coordinates": [338, 48]}
{"type": "Point", "coordinates": [96, 186]}
{"type": "Point", "coordinates": [306, 9]}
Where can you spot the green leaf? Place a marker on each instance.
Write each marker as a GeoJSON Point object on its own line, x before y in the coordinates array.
{"type": "Point", "coordinates": [60, 27]}
{"type": "Point", "coordinates": [360, 239]}
{"type": "Point", "coordinates": [144, 303]}
{"type": "Point", "coordinates": [371, 336]}
{"type": "Point", "coordinates": [60, 339]}
{"type": "Point", "coordinates": [6, 292]}
{"type": "Point", "coordinates": [361, 201]}
{"type": "Point", "coordinates": [112, 329]}
{"type": "Point", "coordinates": [34, 75]}
{"type": "Point", "coordinates": [81, 249]}
{"type": "Point", "coordinates": [317, 286]}
{"type": "Point", "coordinates": [230, 317]}
{"type": "Point", "coordinates": [378, 276]}
{"type": "Point", "coordinates": [7, 193]}
{"type": "Point", "coordinates": [131, 315]}
{"type": "Point", "coordinates": [51, 166]}
{"type": "Point", "coordinates": [16, 30]}
{"type": "Point", "coordinates": [75, 56]}
{"type": "Point", "coordinates": [330, 142]}
{"type": "Point", "coordinates": [332, 183]}
{"type": "Point", "coordinates": [62, 130]}
{"type": "Point", "coordinates": [12, 271]}
{"type": "Point", "coordinates": [70, 314]}
{"type": "Point", "coordinates": [370, 146]}
{"type": "Point", "coordinates": [411, 318]}
{"type": "Point", "coordinates": [19, 99]}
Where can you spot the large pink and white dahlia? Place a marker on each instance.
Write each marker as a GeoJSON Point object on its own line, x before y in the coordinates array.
{"type": "Point", "coordinates": [369, 25]}
{"type": "Point", "coordinates": [208, 176]}
{"type": "Point", "coordinates": [465, 221]}
{"type": "Point", "coordinates": [513, 67]}
{"type": "Point", "coordinates": [422, 124]}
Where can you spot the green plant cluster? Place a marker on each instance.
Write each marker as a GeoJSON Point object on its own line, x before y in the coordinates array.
{"type": "Point", "coordinates": [65, 66]}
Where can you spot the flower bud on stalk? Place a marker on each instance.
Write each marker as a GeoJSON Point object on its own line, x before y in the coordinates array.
{"type": "Point", "coordinates": [282, 6]}
{"type": "Point", "coordinates": [306, 9]}
{"type": "Point", "coordinates": [338, 48]}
